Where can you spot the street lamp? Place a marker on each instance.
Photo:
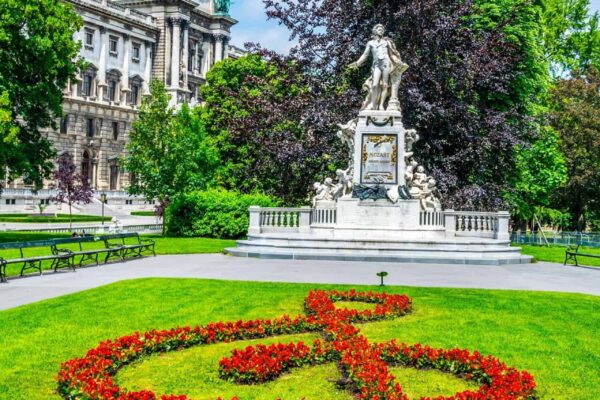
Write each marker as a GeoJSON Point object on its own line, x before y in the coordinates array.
{"type": "Point", "coordinates": [103, 200]}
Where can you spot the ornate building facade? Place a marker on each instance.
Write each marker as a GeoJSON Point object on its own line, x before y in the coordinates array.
{"type": "Point", "coordinates": [126, 43]}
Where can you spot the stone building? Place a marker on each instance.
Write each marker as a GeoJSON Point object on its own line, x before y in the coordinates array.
{"type": "Point", "coordinates": [127, 43]}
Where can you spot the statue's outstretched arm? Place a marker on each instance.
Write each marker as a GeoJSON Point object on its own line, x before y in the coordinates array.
{"type": "Point", "coordinates": [362, 59]}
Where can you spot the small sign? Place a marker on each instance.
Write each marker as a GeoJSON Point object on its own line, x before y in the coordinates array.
{"type": "Point", "coordinates": [379, 159]}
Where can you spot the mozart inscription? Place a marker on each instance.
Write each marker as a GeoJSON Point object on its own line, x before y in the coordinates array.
{"type": "Point", "coordinates": [379, 159]}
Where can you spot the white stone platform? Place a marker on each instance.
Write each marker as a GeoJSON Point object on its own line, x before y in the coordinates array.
{"type": "Point", "coordinates": [440, 238]}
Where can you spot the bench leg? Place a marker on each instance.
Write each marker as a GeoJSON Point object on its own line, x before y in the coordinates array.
{"type": "Point", "coordinates": [32, 265]}
{"type": "Point", "coordinates": [3, 273]}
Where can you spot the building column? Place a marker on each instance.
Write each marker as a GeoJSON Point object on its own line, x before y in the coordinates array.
{"type": "Point", "coordinates": [226, 48]}
{"type": "Point", "coordinates": [147, 68]}
{"type": "Point", "coordinates": [186, 50]}
{"type": "Point", "coordinates": [126, 59]}
{"type": "Point", "coordinates": [219, 47]}
{"type": "Point", "coordinates": [175, 52]}
{"type": "Point", "coordinates": [102, 64]}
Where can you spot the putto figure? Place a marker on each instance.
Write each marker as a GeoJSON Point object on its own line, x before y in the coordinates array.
{"type": "Point", "coordinates": [387, 71]}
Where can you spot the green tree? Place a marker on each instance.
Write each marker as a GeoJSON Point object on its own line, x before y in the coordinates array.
{"type": "Point", "coordinates": [255, 113]}
{"type": "Point", "coordinates": [167, 152]}
{"type": "Point", "coordinates": [576, 116]}
{"type": "Point", "coordinates": [37, 59]}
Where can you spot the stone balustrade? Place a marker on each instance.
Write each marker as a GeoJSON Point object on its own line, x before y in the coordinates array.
{"type": "Point", "coordinates": [493, 225]}
{"type": "Point", "coordinates": [279, 219]}
{"type": "Point", "coordinates": [477, 224]}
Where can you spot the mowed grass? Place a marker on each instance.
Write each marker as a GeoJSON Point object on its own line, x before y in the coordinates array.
{"type": "Point", "coordinates": [164, 245]}
{"type": "Point", "coordinates": [557, 254]}
{"type": "Point", "coordinates": [59, 218]}
{"type": "Point", "coordinates": [552, 335]}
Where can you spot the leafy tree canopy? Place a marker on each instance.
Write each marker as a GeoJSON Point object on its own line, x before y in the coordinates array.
{"type": "Point", "coordinates": [167, 153]}
{"type": "Point", "coordinates": [576, 116]}
{"type": "Point", "coordinates": [256, 111]}
{"type": "Point", "coordinates": [37, 59]}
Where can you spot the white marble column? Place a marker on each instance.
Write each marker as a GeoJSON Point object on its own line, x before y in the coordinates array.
{"type": "Point", "coordinates": [147, 68]}
{"type": "Point", "coordinates": [218, 47]}
{"type": "Point", "coordinates": [226, 48]}
{"type": "Point", "coordinates": [175, 52]}
{"type": "Point", "coordinates": [126, 59]}
{"type": "Point", "coordinates": [102, 64]}
{"type": "Point", "coordinates": [186, 49]}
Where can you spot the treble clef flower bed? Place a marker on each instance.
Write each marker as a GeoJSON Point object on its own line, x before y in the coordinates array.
{"type": "Point", "coordinates": [364, 364]}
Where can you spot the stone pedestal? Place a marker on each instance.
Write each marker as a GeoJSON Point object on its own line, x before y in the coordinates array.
{"type": "Point", "coordinates": [378, 214]}
{"type": "Point", "coordinates": [379, 149]}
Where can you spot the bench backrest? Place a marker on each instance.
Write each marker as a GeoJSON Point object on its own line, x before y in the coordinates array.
{"type": "Point", "coordinates": [24, 245]}
{"type": "Point", "coordinates": [75, 240]}
{"type": "Point", "coordinates": [120, 236]}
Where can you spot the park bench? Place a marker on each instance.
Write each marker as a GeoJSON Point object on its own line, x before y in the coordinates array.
{"type": "Point", "coordinates": [128, 243]}
{"type": "Point", "coordinates": [32, 261]}
{"type": "Point", "coordinates": [573, 251]}
{"type": "Point", "coordinates": [91, 254]}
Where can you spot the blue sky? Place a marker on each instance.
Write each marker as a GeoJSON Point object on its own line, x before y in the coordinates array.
{"type": "Point", "coordinates": [253, 26]}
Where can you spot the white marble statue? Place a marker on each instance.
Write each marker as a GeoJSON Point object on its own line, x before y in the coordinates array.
{"type": "Point", "coordinates": [344, 184]}
{"type": "Point", "coordinates": [346, 134]}
{"type": "Point", "coordinates": [410, 138]}
{"type": "Point", "coordinates": [387, 71]}
{"type": "Point", "coordinates": [324, 191]}
{"type": "Point", "coordinates": [429, 198]}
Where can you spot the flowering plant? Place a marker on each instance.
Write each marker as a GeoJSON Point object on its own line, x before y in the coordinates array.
{"type": "Point", "coordinates": [363, 363]}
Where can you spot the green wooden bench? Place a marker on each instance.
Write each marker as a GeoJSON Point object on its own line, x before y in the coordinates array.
{"type": "Point", "coordinates": [91, 254]}
{"type": "Point", "coordinates": [32, 261]}
{"type": "Point", "coordinates": [573, 251]}
{"type": "Point", "coordinates": [128, 244]}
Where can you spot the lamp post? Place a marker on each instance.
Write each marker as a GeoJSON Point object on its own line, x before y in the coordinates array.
{"type": "Point", "coordinates": [103, 200]}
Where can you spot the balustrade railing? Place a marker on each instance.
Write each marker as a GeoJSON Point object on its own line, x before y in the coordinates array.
{"type": "Point", "coordinates": [454, 223]}
{"type": "Point", "coordinates": [323, 216]}
{"type": "Point", "coordinates": [431, 218]}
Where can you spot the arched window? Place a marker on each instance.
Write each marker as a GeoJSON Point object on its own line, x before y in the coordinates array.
{"type": "Point", "coordinates": [87, 86]}
{"type": "Point", "coordinates": [86, 166]}
{"type": "Point", "coordinates": [113, 77]}
{"type": "Point", "coordinates": [135, 85]}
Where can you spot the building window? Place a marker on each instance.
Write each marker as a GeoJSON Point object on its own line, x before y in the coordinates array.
{"type": "Point", "coordinates": [86, 89]}
{"type": "Point", "coordinates": [112, 90]}
{"type": "Point", "coordinates": [128, 202]}
{"type": "Point", "coordinates": [86, 166]}
{"type": "Point", "coordinates": [115, 130]}
{"type": "Point", "coordinates": [135, 52]}
{"type": "Point", "coordinates": [88, 39]}
{"type": "Point", "coordinates": [200, 58]}
{"type": "Point", "coordinates": [191, 57]}
{"type": "Point", "coordinates": [64, 124]}
{"type": "Point", "coordinates": [135, 91]}
{"type": "Point", "coordinates": [91, 127]}
{"type": "Point", "coordinates": [114, 176]}
{"type": "Point", "coordinates": [11, 202]}
{"type": "Point", "coordinates": [113, 46]}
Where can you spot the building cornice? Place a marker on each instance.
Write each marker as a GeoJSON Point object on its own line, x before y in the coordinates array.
{"type": "Point", "coordinates": [101, 9]}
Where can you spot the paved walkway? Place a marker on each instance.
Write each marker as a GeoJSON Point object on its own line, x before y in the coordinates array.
{"type": "Point", "coordinates": [541, 276]}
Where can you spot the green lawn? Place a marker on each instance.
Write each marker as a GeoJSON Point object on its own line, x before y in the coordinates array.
{"type": "Point", "coordinates": [164, 245]}
{"type": "Point", "coordinates": [554, 336]}
{"type": "Point", "coordinates": [557, 254]}
{"type": "Point", "coordinates": [62, 218]}
{"type": "Point", "coordinates": [144, 213]}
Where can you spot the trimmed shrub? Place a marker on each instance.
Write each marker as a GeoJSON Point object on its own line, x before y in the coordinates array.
{"type": "Point", "coordinates": [215, 213]}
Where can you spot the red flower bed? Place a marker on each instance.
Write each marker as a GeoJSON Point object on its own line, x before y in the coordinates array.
{"type": "Point", "coordinates": [365, 364]}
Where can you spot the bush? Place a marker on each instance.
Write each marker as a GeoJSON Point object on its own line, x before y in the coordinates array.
{"type": "Point", "coordinates": [216, 213]}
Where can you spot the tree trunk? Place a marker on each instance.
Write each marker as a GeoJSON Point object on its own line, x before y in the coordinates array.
{"type": "Point", "coordinates": [70, 218]}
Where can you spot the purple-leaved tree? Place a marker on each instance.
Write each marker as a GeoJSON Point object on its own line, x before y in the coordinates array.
{"type": "Point", "coordinates": [73, 187]}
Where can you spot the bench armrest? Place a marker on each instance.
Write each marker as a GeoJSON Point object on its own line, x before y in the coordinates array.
{"type": "Point", "coordinates": [150, 241]}
{"type": "Point", "coordinates": [63, 251]}
{"type": "Point", "coordinates": [110, 245]}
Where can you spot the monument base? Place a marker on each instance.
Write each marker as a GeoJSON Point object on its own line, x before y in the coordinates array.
{"type": "Point", "coordinates": [381, 231]}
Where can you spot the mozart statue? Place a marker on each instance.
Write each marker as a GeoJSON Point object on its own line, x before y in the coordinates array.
{"type": "Point", "coordinates": [387, 71]}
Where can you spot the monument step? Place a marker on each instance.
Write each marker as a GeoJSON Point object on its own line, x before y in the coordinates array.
{"type": "Point", "coordinates": [380, 245]}
{"type": "Point", "coordinates": [290, 254]}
